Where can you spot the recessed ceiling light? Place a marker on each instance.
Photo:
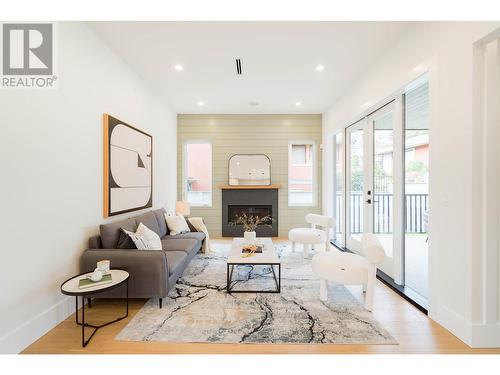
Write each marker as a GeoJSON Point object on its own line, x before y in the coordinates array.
{"type": "Point", "coordinates": [320, 68]}
{"type": "Point", "coordinates": [178, 67]}
{"type": "Point", "coordinates": [201, 104]}
{"type": "Point", "coordinates": [253, 104]}
{"type": "Point", "coordinates": [298, 104]}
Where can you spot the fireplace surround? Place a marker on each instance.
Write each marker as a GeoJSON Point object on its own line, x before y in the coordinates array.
{"type": "Point", "coordinates": [259, 201]}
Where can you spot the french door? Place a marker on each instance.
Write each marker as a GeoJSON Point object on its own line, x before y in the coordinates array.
{"type": "Point", "coordinates": [374, 184]}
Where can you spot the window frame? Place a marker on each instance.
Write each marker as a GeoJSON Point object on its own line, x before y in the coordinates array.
{"type": "Point", "coordinates": [184, 170]}
{"type": "Point", "coordinates": [314, 166]}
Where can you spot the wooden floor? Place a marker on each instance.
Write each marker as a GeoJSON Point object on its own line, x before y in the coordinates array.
{"type": "Point", "coordinates": [413, 330]}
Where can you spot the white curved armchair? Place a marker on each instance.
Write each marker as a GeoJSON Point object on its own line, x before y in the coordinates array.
{"type": "Point", "coordinates": [351, 269]}
{"type": "Point", "coordinates": [312, 236]}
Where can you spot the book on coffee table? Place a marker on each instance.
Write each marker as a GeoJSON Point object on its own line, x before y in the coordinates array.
{"type": "Point", "coordinates": [87, 283]}
{"type": "Point", "coordinates": [247, 249]}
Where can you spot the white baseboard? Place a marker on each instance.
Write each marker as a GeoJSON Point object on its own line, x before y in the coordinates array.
{"type": "Point", "coordinates": [486, 335]}
{"type": "Point", "coordinates": [474, 335]}
{"type": "Point", "coordinates": [21, 337]}
{"type": "Point", "coordinates": [453, 322]}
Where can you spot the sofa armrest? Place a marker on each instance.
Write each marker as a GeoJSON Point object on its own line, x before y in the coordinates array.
{"type": "Point", "coordinates": [148, 269]}
{"type": "Point", "coordinates": [95, 242]}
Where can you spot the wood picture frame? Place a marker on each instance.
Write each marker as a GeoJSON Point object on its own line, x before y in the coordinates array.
{"type": "Point", "coordinates": [127, 166]}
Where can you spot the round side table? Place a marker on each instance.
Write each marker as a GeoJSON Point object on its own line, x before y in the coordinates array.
{"type": "Point", "coordinates": [70, 288]}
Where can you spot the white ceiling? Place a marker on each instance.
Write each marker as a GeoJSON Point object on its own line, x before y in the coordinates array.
{"type": "Point", "coordinates": [278, 61]}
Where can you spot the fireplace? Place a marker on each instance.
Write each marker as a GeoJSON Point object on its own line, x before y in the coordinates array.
{"type": "Point", "coordinates": [258, 202]}
{"type": "Point", "coordinates": [238, 210]}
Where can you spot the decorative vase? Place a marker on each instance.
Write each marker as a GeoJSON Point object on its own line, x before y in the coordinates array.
{"type": "Point", "coordinates": [96, 275]}
{"type": "Point", "coordinates": [250, 237]}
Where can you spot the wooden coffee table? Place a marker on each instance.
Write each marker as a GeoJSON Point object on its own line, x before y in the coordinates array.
{"type": "Point", "coordinates": [268, 257]}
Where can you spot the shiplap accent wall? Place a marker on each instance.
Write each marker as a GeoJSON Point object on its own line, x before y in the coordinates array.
{"type": "Point", "coordinates": [250, 134]}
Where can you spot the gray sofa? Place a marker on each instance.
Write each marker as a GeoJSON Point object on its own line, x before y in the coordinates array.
{"type": "Point", "coordinates": [152, 272]}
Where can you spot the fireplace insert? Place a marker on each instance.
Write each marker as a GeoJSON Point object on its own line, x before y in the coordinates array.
{"type": "Point", "coordinates": [238, 210]}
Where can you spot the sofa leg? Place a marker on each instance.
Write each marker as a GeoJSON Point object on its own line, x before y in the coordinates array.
{"type": "Point", "coordinates": [161, 302]}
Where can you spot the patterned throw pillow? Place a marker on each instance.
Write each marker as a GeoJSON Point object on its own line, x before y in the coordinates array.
{"type": "Point", "coordinates": [144, 238]}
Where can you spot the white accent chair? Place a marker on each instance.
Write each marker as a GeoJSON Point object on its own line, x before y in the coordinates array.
{"type": "Point", "coordinates": [312, 236]}
{"type": "Point", "coordinates": [351, 269]}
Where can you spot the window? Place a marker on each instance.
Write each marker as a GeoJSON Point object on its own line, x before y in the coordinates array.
{"type": "Point", "coordinates": [301, 174]}
{"type": "Point", "coordinates": [301, 154]}
{"type": "Point", "coordinates": [197, 178]}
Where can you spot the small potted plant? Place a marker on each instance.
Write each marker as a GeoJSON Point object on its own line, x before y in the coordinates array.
{"type": "Point", "coordinates": [250, 223]}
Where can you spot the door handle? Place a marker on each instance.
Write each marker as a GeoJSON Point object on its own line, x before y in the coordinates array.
{"type": "Point", "coordinates": [369, 201]}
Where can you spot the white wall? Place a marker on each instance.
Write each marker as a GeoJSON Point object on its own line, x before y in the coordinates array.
{"type": "Point", "coordinates": [51, 181]}
{"type": "Point", "coordinates": [445, 50]}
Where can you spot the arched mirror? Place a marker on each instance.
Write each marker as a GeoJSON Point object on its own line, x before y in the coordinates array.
{"type": "Point", "coordinates": [249, 170]}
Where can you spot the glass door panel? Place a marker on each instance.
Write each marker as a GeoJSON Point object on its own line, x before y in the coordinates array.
{"type": "Point", "coordinates": [356, 181]}
{"type": "Point", "coordinates": [416, 186]}
{"type": "Point", "coordinates": [383, 181]}
{"type": "Point", "coordinates": [373, 189]}
{"type": "Point", "coordinates": [338, 188]}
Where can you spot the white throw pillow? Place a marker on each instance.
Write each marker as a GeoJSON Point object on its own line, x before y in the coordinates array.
{"type": "Point", "coordinates": [144, 238]}
{"type": "Point", "coordinates": [176, 224]}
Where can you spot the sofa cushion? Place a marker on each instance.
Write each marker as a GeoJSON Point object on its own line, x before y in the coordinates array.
{"type": "Point", "coordinates": [162, 225]}
{"type": "Point", "coordinates": [175, 261]}
{"type": "Point", "coordinates": [149, 220]}
{"type": "Point", "coordinates": [199, 236]}
{"type": "Point", "coordinates": [181, 244]}
{"type": "Point", "coordinates": [110, 233]}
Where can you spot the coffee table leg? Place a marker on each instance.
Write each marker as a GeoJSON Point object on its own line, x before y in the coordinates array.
{"type": "Point", "coordinates": [229, 277]}
{"type": "Point", "coordinates": [278, 283]}
{"type": "Point", "coordinates": [279, 277]}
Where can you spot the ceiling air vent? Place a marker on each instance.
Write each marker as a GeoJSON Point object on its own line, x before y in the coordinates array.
{"type": "Point", "coordinates": [238, 66]}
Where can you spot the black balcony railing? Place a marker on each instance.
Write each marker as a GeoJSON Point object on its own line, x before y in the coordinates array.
{"type": "Point", "coordinates": [415, 208]}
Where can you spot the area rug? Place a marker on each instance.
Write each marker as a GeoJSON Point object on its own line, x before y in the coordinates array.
{"type": "Point", "coordinates": [198, 309]}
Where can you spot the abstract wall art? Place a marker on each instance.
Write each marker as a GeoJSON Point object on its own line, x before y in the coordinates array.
{"type": "Point", "coordinates": [128, 167]}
